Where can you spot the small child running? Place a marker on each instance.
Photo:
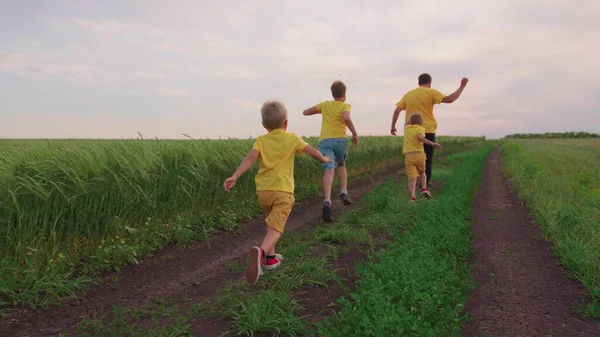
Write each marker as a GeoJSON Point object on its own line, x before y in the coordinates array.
{"type": "Point", "coordinates": [275, 153]}
{"type": "Point", "coordinates": [333, 142]}
{"type": "Point", "coordinates": [414, 155]}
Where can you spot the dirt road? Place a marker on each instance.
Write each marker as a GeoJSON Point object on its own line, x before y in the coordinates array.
{"type": "Point", "coordinates": [522, 290]}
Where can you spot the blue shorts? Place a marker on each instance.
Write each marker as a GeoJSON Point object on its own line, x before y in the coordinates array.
{"type": "Point", "coordinates": [336, 149]}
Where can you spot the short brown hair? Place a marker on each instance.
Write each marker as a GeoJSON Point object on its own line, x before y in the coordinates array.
{"type": "Point", "coordinates": [274, 114]}
{"type": "Point", "coordinates": [424, 78]}
{"type": "Point", "coordinates": [338, 89]}
{"type": "Point", "coordinates": [416, 119]}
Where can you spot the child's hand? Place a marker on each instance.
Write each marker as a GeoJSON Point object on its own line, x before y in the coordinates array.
{"type": "Point", "coordinates": [393, 131]}
{"type": "Point", "coordinates": [229, 183]}
{"type": "Point", "coordinates": [326, 159]}
{"type": "Point", "coordinates": [437, 146]}
{"type": "Point", "coordinates": [355, 141]}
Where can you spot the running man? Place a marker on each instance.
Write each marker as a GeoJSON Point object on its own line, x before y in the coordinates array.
{"type": "Point", "coordinates": [421, 100]}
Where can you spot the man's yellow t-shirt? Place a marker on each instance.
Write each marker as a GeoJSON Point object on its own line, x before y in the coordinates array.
{"type": "Point", "coordinates": [411, 139]}
{"type": "Point", "coordinates": [333, 125]}
{"type": "Point", "coordinates": [276, 162]}
{"type": "Point", "coordinates": [422, 99]}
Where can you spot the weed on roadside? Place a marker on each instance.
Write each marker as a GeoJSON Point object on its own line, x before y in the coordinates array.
{"type": "Point", "coordinates": [158, 317]}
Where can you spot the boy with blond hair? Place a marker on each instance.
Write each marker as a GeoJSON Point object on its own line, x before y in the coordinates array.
{"type": "Point", "coordinates": [414, 155]}
{"type": "Point", "coordinates": [333, 142]}
{"type": "Point", "coordinates": [275, 153]}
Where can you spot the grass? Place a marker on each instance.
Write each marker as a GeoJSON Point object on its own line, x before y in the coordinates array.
{"type": "Point", "coordinates": [270, 306]}
{"type": "Point", "coordinates": [159, 316]}
{"type": "Point", "coordinates": [419, 285]}
{"type": "Point", "coordinates": [435, 287]}
{"type": "Point", "coordinates": [416, 289]}
{"type": "Point", "coordinates": [71, 209]}
{"type": "Point", "coordinates": [559, 181]}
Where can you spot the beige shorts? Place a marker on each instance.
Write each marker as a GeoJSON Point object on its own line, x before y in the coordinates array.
{"type": "Point", "coordinates": [277, 207]}
{"type": "Point", "coordinates": [415, 164]}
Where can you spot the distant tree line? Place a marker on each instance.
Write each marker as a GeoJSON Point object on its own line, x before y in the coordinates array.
{"type": "Point", "coordinates": [572, 134]}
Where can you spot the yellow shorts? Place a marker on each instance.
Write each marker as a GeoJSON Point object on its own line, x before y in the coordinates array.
{"type": "Point", "coordinates": [415, 164]}
{"type": "Point", "coordinates": [277, 207]}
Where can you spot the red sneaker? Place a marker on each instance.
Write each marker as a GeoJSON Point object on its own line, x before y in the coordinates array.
{"type": "Point", "coordinates": [425, 192]}
{"type": "Point", "coordinates": [273, 262]}
{"type": "Point", "coordinates": [413, 199]}
{"type": "Point", "coordinates": [254, 270]}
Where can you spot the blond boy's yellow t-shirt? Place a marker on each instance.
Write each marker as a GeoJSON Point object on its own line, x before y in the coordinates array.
{"type": "Point", "coordinates": [276, 162]}
{"type": "Point", "coordinates": [421, 99]}
{"type": "Point", "coordinates": [333, 125]}
{"type": "Point", "coordinates": [411, 139]}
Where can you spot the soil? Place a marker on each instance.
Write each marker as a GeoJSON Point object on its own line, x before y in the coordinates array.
{"type": "Point", "coordinates": [522, 289]}
{"type": "Point", "coordinates": [318, 303]}
{"type": "Point", "coordinates": [195, 272]}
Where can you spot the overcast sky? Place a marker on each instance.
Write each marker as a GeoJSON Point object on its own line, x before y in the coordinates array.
{"type": "Point", "coordinates": [110, 69]}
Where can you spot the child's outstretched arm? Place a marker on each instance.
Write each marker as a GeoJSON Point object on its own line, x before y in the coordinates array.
{"type": "Point", "coordinates": [350, 125]}
{"type": "Point", "coordinates": [315, 154]}
{"type": "Point", "coordinates": [244, 166]}
{"type": "Point", "coordinates": [313, 110]}
{"type": "Point", "coordinates": [428, 142]}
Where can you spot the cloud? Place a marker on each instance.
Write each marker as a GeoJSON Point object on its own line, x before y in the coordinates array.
{"type": "Point", "coordinates": [230, 73]}
{"type": "Point", "coordinates": [239, 73]}
{"type": "Point", "coordinates": [150, 74]}
{"type": "Point", "coordinates": [170, 41]}
{"type": "Point", "coordinates": [243, 103]}
{"type": "Point", "coordinates": [48, 65]}
{"type": "Point", "coordinates": [531, 64]}
{"type": "Point", "coordinates": [173, 91]}
{"type": "Point", "coordinates": [110, 28]}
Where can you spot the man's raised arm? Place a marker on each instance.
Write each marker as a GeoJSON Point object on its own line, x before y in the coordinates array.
{"type": "Point", "coordinates": [455, 95]}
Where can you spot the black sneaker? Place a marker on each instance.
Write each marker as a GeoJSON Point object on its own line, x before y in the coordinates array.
{"type": "Point", "coordinates": [327, 212]}
{"type": "Point", "coordinates": [345, 200]}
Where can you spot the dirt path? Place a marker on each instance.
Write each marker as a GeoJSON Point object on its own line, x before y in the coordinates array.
{"type": "Point", "coordinates": [522, 290]}
{"type": "Point", "coordinates": [195, 272]}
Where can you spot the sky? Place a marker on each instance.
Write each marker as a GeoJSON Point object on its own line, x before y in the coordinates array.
{"type": "Point", "coordinates": [113, 69]}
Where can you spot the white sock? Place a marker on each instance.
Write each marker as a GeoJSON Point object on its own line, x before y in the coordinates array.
{"type": "Point", "coordinates": [344, 191]}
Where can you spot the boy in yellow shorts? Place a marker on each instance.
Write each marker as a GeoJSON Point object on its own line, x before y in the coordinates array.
{"type": "Point", "coordinates": [414, 155]}
{"type": "Point", "coordinates": [275, 153]}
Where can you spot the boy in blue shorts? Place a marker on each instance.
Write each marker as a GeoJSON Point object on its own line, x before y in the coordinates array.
{"type": "Point", "coordinates": [333, 143]}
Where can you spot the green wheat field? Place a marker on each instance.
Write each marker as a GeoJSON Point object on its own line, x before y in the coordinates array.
{"type": "Point", "coordinates": [73, 209]}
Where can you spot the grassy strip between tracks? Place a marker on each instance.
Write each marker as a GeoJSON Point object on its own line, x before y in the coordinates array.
{"type": "Point", "coordinates": [419, 285]}
{"type": "Point", "coordinates": [412, 282]}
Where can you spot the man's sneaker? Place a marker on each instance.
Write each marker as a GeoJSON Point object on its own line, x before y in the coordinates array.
{"type": "Point", "coordinates": [327, 211]}
{"type": "Point", "coordinates": [345, 200]}
{"type": "Point", "coordinates": [272, 262]}
{"type": "Point", "coordinates": [425, 192]}
{"type": "Point", "coordinates": [254, 270]}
